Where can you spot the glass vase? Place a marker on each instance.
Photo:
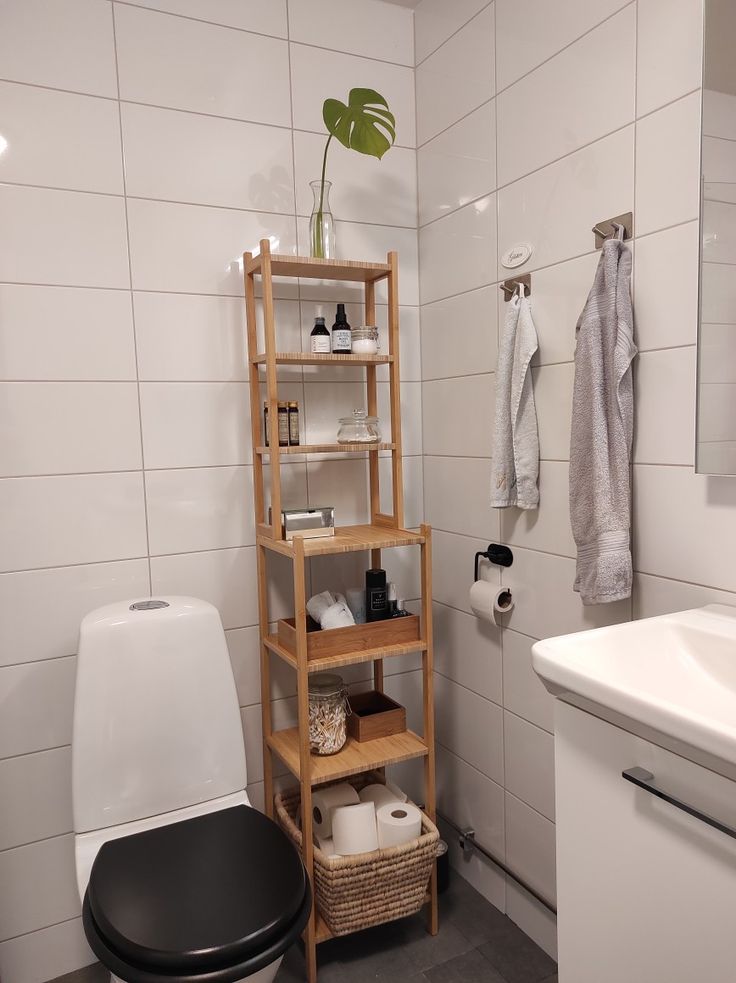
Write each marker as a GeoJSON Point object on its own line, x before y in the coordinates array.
{"type": "Point", "coordinates": [321, 224]}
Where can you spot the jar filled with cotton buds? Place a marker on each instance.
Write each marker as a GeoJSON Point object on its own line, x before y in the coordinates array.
{"type": "Point", "coordinates": [328, 711]}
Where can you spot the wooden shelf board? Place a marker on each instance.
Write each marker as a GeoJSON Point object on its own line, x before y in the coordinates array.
{"type": "Point", "coordinates": [347, 539]}
{"type": "Point", "coordinates": [312, 358]}
{"type": "Point", "coordinates": [354, 757]}
{"type": "Point", "coordinates": [321, 269]}
{"type": "Point", "coordinates": [327, 449]}
{"type": "Point", "coordinates": [346, 658]}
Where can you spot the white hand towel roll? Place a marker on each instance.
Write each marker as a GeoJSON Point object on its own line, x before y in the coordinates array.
{"type": "Point", "coordinates": [337, 616]}
{"type": "Point", "coordinates": [317, 605]}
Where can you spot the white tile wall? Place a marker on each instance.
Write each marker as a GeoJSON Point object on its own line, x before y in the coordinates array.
{"type": "Point", "coordinates": [250, 15]}
{"type": "Point", "coordinates": [149, 144]}
{"type": "Point", "coordinates": [68, 46]}
{"type": "Point", "coordinates": [62, 237]}
{"type": "Point", "coordinates": [574, 144]}
{"type": "Point", "coordinates": [168, 61]}
{"type": "Point", "coordinates": [590, 111]}
{"type": "Point", "coordinates": [457, 78]}
{"type": "Point", "coordinates": [84, 132]}
{"type": "Point", "coordinates": [66, 333]}
{"type": "Point", "coordinates": [532, 31]}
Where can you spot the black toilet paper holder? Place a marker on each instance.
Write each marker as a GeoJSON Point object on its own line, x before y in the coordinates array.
{"type": "Point", "coordinates": [495, 553]}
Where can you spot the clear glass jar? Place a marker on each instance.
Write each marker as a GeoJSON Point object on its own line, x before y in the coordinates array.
{"type": "Point", "coordinates": [364, 340]}
{"type": "Point", "coordinates": [359, 429]}
{"type": "Point", "coordinates": [328, 711]}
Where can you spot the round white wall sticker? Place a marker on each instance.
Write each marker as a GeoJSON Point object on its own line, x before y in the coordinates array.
{"type": "Point", "coordinates": [517, 255]}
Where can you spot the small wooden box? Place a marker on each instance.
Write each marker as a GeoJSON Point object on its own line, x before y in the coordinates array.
{"type": "Point", "coordinates": [375, 715]}
{"type": "Point", "coordinates": [355, 638]}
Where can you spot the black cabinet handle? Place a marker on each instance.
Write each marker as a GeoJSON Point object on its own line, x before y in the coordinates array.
{"type": "Point", "coordinates": [645, 779]}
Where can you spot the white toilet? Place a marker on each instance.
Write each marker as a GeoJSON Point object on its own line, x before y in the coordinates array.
{"type": "Point", "coordinates": [180, 879]}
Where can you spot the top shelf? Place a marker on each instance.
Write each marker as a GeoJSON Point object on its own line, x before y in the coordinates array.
{"type": "Point", "coordinates": [321, 269]}
{"type": "Point", "coordinates": [347, 539]}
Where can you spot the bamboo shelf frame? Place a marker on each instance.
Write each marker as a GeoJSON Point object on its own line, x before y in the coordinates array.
{"type": "Point", "coordinates": [384, 531]}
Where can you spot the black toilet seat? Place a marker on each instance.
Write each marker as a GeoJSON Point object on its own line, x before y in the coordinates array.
{"type": "Point", "coordinates": [210, 899]}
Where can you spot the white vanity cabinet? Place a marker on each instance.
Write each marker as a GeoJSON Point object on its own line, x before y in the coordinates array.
{"type": "Point", "coordinates": [646, 891]}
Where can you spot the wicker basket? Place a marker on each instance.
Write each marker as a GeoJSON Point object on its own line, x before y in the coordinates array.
{"type": "Point", "coordinates": [367, 889]}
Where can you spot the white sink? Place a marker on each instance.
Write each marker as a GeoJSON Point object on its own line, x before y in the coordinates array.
{"type": "Point", "coordinates": [675, 674]}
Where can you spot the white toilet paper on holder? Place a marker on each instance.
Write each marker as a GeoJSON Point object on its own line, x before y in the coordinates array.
{"type": "Point", "coordinates": [488, 601]}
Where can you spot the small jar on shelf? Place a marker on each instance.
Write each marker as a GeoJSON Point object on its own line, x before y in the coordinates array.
{"type": "Point", "coordinates": [364, 340]}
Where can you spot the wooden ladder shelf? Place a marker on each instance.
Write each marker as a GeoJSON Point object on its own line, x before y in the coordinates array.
{"type": "Point", "coordinates": [385, 530]}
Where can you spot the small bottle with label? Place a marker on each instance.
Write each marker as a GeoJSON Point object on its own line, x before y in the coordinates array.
{"type": "Point", "coordinates": [341, 333]}
{"type": "Point", "coordinates": [283, 424]}
{"type": "Point", "coordinates": [320, 336]}
{"type": "Point", "coordinates": [293, 424]}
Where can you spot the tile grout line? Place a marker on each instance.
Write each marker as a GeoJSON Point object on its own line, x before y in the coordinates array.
{"type": "Point", "coordinates": [132, 305]}
{"type": "Point", "coordinates": [261, 34]}
{"type": "Point", "coordinates": [494, 301]}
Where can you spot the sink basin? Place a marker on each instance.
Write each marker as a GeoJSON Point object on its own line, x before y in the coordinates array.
{"type": "Point", "coordinates": [675, 674]}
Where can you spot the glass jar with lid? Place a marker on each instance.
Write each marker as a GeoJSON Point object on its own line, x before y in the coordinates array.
{"type": "Point", "coordinates": [328, 711]}
{"type": "Point", "coordinates": [364, 340]}
{"type": "Point", "coordinates": [359, 429]}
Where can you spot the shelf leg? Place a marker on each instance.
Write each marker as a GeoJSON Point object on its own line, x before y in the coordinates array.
{"type": "Point", "coordinates": [428, 681]}
{"type": "Point", "coordinates": [377, 663]}
{"type": "Point", "coordinates": [394, 372]}
{"type": "Point", "coordinates": [305, 762]}
{"type": "Point", "coordinates": [266, 722]}
{"type": "Point", "coordinates": [372, 404]}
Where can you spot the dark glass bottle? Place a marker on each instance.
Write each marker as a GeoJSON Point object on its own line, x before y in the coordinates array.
{"type": "Point", "coordinates": [320, 337]}
{"type": "Point", "coordinates": [341, 337]}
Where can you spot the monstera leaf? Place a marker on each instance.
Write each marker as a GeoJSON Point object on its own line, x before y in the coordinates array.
{"type": "Point", "coordinates": [365, 124]}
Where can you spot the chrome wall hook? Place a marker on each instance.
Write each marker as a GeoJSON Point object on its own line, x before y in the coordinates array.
{"type": "Point", "coordinates": [612, 227]}
{"type": "Point", "coordinates": [515, 284]}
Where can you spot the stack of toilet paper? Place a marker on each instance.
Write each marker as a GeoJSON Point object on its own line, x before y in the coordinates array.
{"type": "Point", "coordinates": [346, 822]}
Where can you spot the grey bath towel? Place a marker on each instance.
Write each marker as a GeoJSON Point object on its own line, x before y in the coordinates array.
{"type": "Point", "coordinates": [515, 466]}
{"type": "Point", "coordinates": [602, 431]}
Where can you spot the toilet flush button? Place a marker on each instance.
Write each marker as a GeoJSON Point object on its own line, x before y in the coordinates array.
{"type": "Point", "coordinates": [148, 605]}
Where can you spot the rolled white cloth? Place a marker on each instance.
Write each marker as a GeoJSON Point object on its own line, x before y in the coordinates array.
{"type": "Point", "coordinates": [319, 604]}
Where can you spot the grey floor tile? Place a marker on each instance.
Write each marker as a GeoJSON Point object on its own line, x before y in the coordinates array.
{"type": "Point", "coordinates": [551, 979]}
{"type": "Point", "coordinates": [470, 967]}
{"type": "Point", "coordinates": [95, 973]}
{"type": "Point", "coordinates": [476, 918]}
{"type": "Point", "coordinates": [516, 957]}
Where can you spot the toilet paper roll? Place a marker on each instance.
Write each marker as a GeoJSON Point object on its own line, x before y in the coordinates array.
{"type": "Point", "coordinates": [325, 801]}
{"type": "Point", "coordinates": [398, 792]}
{"type": "Point", "coordinates": [488, 601]}
{"type": "Point", "coordinates": [381, 795]}
{"type": "Point", "coordinates": [398, 823]}
{"type": "Point", "coordinates": [354, 829]}
{"type": "Point", "coordinates": [326, 844]}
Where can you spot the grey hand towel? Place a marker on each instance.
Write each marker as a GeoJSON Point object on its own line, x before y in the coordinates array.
{"type": "Point", "coordinates": [515, 466]}
{"type": "Point", "coordinates": [602, 431]}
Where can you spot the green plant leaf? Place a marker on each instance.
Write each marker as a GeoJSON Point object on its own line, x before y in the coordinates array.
{"type": "Point", "coordinates": [365, 124]}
